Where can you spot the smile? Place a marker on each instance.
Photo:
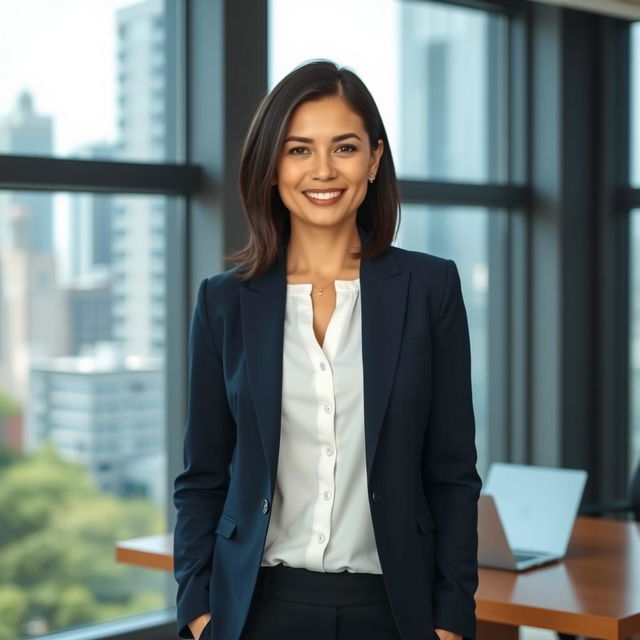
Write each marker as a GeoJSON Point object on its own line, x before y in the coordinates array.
{"type": "Point", "coordinates": [324, 197]}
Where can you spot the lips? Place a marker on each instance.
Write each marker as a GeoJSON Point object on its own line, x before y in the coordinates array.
{"type": "Point", "coordinates": [324, 197]}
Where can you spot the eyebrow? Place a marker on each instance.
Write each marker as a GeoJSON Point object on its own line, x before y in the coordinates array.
{"type": "Point", "coordinates": [342, 136]}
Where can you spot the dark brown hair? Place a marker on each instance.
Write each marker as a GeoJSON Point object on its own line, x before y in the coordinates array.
{"type": "Point", "coordinates": [268, 218]}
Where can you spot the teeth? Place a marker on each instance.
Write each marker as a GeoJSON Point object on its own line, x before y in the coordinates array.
{"type": "Point", "coordinates": [324, 196]}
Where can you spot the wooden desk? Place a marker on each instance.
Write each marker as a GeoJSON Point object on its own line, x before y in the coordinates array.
{"type": "Point", "coordinates": [594, 592]}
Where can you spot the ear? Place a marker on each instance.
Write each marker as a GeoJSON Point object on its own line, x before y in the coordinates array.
{"type": "Point", "coordinates": [376, 154]}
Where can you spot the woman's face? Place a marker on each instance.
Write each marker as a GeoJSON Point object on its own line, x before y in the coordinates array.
{"type": "Point", "coordinates": [325, 163]}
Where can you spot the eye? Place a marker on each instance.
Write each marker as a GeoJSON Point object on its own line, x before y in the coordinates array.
{"type": "Point", "coordinates": [297, 151]}
{"type": "Point", "coordinates": [347, 147]}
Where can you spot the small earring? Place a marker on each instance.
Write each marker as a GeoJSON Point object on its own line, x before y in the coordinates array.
{"type": "Point", "coordinates": [372, 179]}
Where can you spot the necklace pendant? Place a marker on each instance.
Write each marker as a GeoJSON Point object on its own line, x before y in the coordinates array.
{"type": "Point", "coordinates": [320, 291]}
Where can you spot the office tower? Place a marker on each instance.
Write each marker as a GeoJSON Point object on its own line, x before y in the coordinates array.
{"type": "Point", "coordinates": [25, 132]}
{"type": "Point", "coordinates": [32, 312]}
{"type": "Point", "coordinates": [32, 306]}
{"type": "Point", "coordinates": [138, 226]}
{"type": "Point", "coordinates": [89, 300]}
{"type": "Point", "coordinates": [90, 222]}
{"type": "Point", "coordinates": [105, 413]}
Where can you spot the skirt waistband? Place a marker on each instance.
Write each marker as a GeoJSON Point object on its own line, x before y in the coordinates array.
{"type": "Point", "coordinates": [318, 588]}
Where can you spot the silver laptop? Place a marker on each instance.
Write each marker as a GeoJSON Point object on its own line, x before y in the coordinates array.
{"type": "Point", "coordinates": [526, 515]}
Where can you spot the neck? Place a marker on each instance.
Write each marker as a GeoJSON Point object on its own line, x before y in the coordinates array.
{"type": "Point", "coordinates": [322, 254]}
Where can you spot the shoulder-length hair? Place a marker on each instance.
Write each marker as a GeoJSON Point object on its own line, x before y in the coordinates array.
{"type": "Point", "coordinates": [268, 218]}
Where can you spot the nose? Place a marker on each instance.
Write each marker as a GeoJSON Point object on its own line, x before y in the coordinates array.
{"type": "Point", "coordinates": [323, 168]}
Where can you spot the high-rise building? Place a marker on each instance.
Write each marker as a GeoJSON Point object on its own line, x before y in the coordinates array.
{"type": "Point", "coordinates": [32, 308]}
{"type": "Point", "coordinates": [25, 132]}
{"type": "Point", "coordinates": [89, 300]}
{"type": "Point", "coordinates": [138, 227]}
{"type": "Point", "coordinates": [33, 321]}
{"type": "Point", "coordinates": [90, 222]}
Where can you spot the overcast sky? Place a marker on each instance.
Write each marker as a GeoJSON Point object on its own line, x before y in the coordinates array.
{"type": "Point", "coordinates": [63, 51]}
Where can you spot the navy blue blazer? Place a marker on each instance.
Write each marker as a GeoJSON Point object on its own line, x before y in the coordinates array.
{"type": "Point", "coordinates": [419, 433]}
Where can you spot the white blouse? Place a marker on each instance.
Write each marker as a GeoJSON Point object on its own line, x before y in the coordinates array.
{"type": "Point", "coordinates": [320, 517]}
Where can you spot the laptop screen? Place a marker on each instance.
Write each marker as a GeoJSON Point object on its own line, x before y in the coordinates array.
{"type": "Point", "coordinates": [537, 505]}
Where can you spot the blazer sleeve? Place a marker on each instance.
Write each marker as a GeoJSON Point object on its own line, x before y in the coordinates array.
{"type": "Point", "coordinates": [200, 490]}
{"type": "Point", "coordinates": [451, 482]}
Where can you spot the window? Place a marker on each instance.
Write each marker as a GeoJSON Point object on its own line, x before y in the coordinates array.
{"type": "Point", "coordinates": [435, 71]}
{"type": "Point", "coordinates": [436, 230]}
{"type": "Point", "coordinates": [97, 104]}
{"type": "Point", "coordinates": [82, 423]}
{"type": "Point", "coordinates": [439, 81]}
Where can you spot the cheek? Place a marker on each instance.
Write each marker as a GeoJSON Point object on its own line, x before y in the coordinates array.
{"type": "Point", "coordinates": [288, 179]}
{"type": "Point", "coordinates": [286, 175]}
{"type": "Point", "coordinates": [358, 193]}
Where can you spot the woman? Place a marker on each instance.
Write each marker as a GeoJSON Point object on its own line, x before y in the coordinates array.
{"type": "Point", "coordinates": [330, 488]}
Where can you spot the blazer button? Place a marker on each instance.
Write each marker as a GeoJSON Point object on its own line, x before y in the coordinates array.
{"type": "Point", "coordinates": [265, 506]}
{"type": "Point", "coordinates": [376, 496]}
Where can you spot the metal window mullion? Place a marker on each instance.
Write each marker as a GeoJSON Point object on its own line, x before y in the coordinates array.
{"type": "Point", "coordinates": [614, 260]}
{"type": "Point", "coordinates": [463, 194]}
{"type": "Point", "coordinates": [35, 173]}
{"type": "Point", "coordinates": [507, 7]}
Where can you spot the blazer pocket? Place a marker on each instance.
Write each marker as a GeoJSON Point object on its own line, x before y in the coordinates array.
{"type": "Point", "coordinates": [226, 526]}
{"type": "Point", "coordinates": [412, 347]}
{"type": "Point", "coordinates": [425, 522]}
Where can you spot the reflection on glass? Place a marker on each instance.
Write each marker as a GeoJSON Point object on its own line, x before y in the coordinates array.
{"type": "Point", "coordinates": [435, 71]}
{"type": "Point", "coordinates": [82, 457]}
{"type": "Point", "coordinates": [635, 341]}
{"type": "Point", "coordinates": [460, 234]}
{"type": "Point", "coordinates": [106, 102]}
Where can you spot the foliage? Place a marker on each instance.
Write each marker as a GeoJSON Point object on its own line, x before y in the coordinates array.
{"type": "Point", "coordinates": [57, 548]}
{"type": "Point", "coordinates": [9, 406]}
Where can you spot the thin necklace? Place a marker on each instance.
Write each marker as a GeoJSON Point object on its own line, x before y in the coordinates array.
{"type": "Point", "coordinates": [322, 288]}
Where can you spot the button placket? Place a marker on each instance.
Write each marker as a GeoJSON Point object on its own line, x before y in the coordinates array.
{"type": "Point", "coordinates": [324, 502]}
{"type": "Point", "coordinates": [319, 417]}
{"type": "Point", "coordinates": [323, 381]}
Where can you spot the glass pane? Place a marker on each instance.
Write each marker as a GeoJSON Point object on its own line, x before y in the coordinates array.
{"type": "Point", "coordinates": [461, 234]}
{"type": "Point", "coordinates": [83, 79]}
{"type": "Point", "coordinates": [436, 71]}
{"type": "Point", "coordinates": [82, 421]}
{"type": "Point", "coordinates": [635, 340]}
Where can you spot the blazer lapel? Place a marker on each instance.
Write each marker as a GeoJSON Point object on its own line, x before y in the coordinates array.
{"type": "Point", "coordinates": [383, 290]}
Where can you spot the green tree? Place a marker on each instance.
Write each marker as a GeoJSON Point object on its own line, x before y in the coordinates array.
{"type": "Point", "coordinates": [13, 607]}
{"type": "Point", "coordinates": [77, 606]}
{"type": "Point", "coordinates": [57, 547]}
{"type": "Point", "coordinates": [9, 406]}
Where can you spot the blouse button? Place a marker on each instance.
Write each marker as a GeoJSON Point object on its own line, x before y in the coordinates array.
{"type": "Point", "coordinates": [327, 495]}
{"type": "Point", "coordinates": [329, 451]}
{"type": "Point", "coordinates": [327, 408]}
{"type": "Point", "coordinates": [323, 366]}
{"type": "Point", "coordinates": [320, 538]}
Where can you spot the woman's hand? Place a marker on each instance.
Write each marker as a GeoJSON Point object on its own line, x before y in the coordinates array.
{"type": "Point", "coordinates": [448, 635]}
{"type": "Point", "coordinates": [197, 625]}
